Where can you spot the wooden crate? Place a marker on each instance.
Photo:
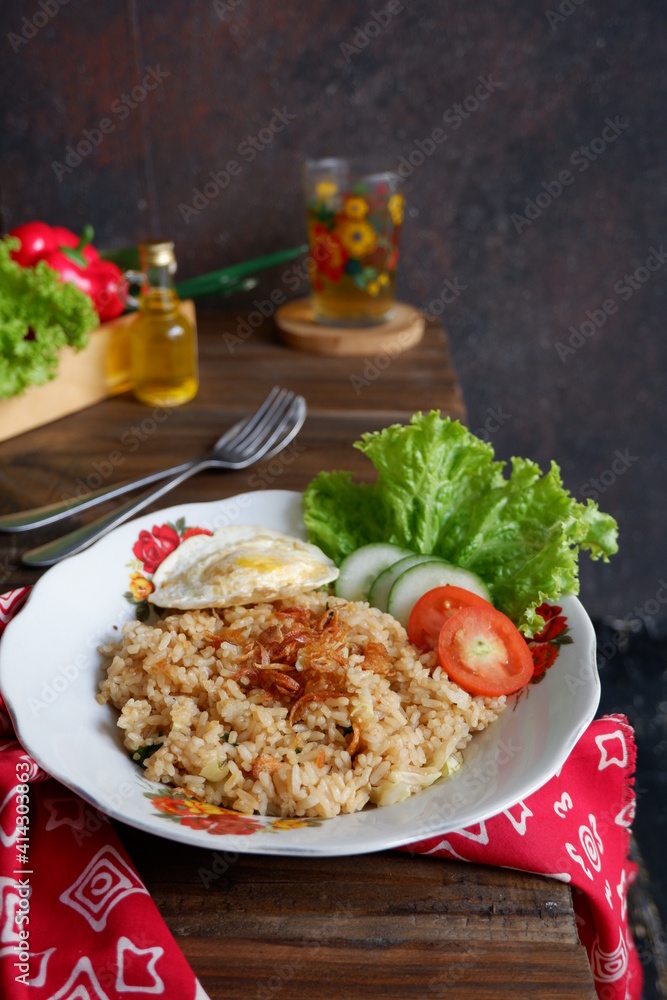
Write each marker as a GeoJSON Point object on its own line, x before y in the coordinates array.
{"type": "Point", "coordinates": [100, 370]}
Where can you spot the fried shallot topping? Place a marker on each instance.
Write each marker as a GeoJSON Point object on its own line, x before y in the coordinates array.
{"type": "Point", "coordinates": [265, 762]}
{"type": "Point", "coordinates": [302, 660]}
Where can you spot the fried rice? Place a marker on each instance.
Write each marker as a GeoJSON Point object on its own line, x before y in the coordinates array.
{"type": "Point", "coordinates": [308, 706]}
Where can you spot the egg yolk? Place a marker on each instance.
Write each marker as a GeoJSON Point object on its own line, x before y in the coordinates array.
{"type": "Point", "coordinates": [265, 564]}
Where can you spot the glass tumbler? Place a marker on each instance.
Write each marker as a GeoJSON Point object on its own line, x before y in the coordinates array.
{"type": "Point", "coordinates": [354, 215]}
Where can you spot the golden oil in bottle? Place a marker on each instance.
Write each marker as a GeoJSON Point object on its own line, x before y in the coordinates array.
{"type": "Point", "coordinates": [163, 341]}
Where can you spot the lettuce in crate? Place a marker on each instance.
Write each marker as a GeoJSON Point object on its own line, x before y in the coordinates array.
{"type": "Point", "coordinates": [39, 315]}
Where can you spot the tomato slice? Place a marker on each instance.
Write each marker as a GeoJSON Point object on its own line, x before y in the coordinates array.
{"type": "Point", "coordinates": [483, 652]}
{"type": "Point", "coordinates": [435, 608]}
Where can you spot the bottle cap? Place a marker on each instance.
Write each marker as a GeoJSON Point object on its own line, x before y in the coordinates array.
{"type": "Point", "coordinates": [156, 253]}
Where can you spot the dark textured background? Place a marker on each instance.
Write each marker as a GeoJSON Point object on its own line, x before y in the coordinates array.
{"type": "Point", "coordinates": [554, 80]}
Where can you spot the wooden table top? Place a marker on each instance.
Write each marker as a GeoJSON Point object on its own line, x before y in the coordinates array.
{"type": "Point", "coordinates": [389, 924]}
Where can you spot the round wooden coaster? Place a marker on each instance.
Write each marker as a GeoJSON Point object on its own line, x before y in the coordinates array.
{"type": "Point", "coordinates": [298, 328]}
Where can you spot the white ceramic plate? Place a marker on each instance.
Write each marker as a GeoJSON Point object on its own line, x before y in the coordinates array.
{"type": "Point", "coordinates": [50, 671]}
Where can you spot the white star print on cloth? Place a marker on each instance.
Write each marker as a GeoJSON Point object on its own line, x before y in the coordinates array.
{"type": "Point", "coordinates": [76, 921]}
{"type": "Point", "coordinates": [574, 829]}
{"type": "Point", "coordinates": [127, 955]}
{"type": "Point", "coordinates": [613, 750]}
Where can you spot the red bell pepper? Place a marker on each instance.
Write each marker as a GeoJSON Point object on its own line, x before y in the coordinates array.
{"type": "Point", "coordinates": [36, 239]}
{"type": "Point", "coordinates": [66, 238]}
{"type": "Point", "coordinates": [76, 260]}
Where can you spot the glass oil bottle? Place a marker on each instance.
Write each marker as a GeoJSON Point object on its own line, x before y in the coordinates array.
{"type": "Point", "coordinates": [163, 340]}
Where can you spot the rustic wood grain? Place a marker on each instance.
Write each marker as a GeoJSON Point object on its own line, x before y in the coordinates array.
{"type": "Point", "coordinates": [464, 972]}
{"type": "Point", "coordinates": [388, 924]}
{"type": "Point", "coordinates": [119, 438]}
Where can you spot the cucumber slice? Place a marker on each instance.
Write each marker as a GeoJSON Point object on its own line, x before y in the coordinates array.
{"type": "Point", "coordinates": [415, 581]}
{"type": "Point", "coordinates": [360, 568]}
{"type": "Point", "coordinates": [378, 595]}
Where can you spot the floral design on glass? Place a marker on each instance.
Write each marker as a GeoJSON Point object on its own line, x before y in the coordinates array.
{"type": "Point", "coordinates": [354, 236]}
{"type": "Point", "coordinates": [546, 643]}
{"type": "Point", "coordinates": [173, 805]}
{"type": "Point", "coordinates": [149, 550]}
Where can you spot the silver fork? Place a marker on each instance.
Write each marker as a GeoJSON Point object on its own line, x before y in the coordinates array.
{"type": "Point", "coordinates": [260, 438]}
{"type": "Point", "coordinates": [37, 517]}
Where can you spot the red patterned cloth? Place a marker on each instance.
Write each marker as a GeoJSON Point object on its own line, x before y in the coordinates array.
{"type": "Point", "coordinates": [576, 828]}
{"type": "Point", "coordinates": [77, 922]}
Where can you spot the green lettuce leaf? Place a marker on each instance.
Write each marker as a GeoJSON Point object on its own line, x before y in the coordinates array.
{"type": "Point", "coordinates": [440, 491]}
{"type": "Point", "coordinates": [39, 314]}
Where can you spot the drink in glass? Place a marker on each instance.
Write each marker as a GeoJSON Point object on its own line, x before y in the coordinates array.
{"type": "Point", "coordinates": [354, 217]}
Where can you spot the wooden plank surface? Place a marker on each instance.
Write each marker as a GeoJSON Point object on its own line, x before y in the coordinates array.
{"type": "Point", "coordinates": [386, 925]}
{"type": "Point", "coordinates": [119, 438]}
{"type": "Point", "coordinates": [380, 925]}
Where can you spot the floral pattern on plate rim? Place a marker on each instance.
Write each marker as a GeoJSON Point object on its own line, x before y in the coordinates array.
{"type": "Point", "coordinates": [175, 806]}
{"type": "Point", "coordinates": [150, 549]}
{"type": "Point", "coordinates": [545, 644]}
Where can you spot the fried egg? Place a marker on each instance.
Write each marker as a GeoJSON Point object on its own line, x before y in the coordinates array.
{"type": "Point", "coordinates": [239, 564]}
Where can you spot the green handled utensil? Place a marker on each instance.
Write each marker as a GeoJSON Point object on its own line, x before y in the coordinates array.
{"type": "Point", "coordinates": [235, 278]}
